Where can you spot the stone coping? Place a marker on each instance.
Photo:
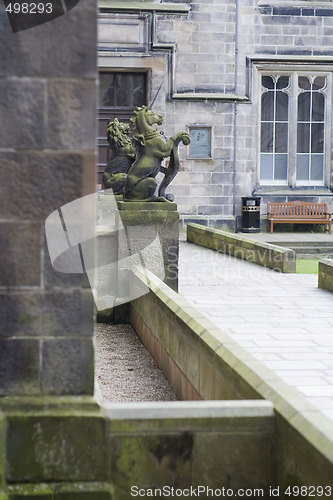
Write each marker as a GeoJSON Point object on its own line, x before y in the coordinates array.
{"type": "Point", "coordinates": [170, 7]}
{"type": "Point", "coordinates": [300, 415]}
{"type": "Point", "coordinates": [151, 206]}
{"type": "Point", "coordinates": [325, 274]}
{"type": "Point", "coordinates": [188, 409]}
{"type": "Point", "coordinates": [264, 254]}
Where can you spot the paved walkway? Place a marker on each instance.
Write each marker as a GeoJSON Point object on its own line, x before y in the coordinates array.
{"type": "Point", "coordinates": [284, 320]}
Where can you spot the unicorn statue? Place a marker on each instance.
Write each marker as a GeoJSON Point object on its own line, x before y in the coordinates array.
{"type": "Point", "coordinates": [151, 148]}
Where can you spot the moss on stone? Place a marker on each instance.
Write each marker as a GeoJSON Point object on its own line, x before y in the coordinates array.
{"type": "Point", "coordinates": [56, 447]}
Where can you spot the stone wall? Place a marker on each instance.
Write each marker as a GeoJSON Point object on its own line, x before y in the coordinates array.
{"type": "Point", "coordinates": [206, 60]}
{"type": "Point", "coordinates": [102, 455]}
{"type": "Point", "coordinates": [325, 274]}
{"type": "Point", "coordinates": [264, 254]}
{"type": "Point", "coordinates": [47, 159]}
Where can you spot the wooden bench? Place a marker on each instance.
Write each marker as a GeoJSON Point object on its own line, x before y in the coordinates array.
{"type": "Point", "coordinates": [299, 212]}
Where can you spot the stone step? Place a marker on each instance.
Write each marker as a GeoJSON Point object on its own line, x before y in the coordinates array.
{"type": "Point", "coordinates": [305, 244]}
{"type": "Point", "coordinates": [313, 248]}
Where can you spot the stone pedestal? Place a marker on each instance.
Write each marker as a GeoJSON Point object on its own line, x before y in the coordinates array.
{"type": "Point", "coordinates": [143, 221]}
{"type": "Point", "coordinates": [144, 234]}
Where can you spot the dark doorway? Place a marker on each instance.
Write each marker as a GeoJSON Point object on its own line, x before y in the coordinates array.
{"type": "Point", "coordinates": [119, 94]}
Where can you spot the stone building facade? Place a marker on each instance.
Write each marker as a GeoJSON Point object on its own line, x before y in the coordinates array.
{"type": "Point", "coordinates": [252, 83]}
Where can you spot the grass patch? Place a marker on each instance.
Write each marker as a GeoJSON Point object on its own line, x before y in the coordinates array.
{"type": "Point", "coordinates": [307, 266]}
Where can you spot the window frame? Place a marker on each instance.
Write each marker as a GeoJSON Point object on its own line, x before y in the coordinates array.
{"type": "Point", "coordinates": [294, 71]}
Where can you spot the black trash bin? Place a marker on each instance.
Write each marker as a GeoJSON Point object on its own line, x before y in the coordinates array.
{"type": "Point", "coordinates": [251, 214]}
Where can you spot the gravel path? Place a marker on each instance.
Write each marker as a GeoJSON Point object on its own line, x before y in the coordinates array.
{"type": "Point", "coordinates": [125, 371]}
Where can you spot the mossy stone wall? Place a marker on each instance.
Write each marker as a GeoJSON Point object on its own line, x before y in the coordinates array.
{"type": "Point", "coordinates": [47, 159]}
{"type": "Point", "coordinates": [264, 254]}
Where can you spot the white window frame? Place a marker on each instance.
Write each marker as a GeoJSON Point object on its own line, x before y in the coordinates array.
{"type": "Point", "coordinates": [294, 71]}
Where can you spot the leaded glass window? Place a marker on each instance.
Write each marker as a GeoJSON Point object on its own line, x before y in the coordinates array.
{"type": "Point", "coordinates": [274, 128]}
{"type": "Point", "coordinates": [293, 138]}
{"type": "Point", "coordinates": [310, 128]}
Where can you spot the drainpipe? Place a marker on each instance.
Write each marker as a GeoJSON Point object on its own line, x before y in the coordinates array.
{"type": "Point", "coordinates": [235, 113]}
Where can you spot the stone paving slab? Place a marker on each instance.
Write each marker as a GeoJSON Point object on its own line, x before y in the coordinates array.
{"type": "Point", "coordinates": [284, 320]}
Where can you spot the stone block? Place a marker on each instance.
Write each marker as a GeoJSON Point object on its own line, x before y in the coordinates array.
{"type": "Point", "coordinates": [64, 47]}
{"type": "Point", "coordinates": [57, 179]}
{"type": "Point", "coordinates": [73, 104]}
{"type": "Point", "coordinates": [325, 274]}
{"type": "Point", "coordinates": [20, 263]}
{"type": "Point", "coordinates": [206, 384]}
{"type": "Point", "coordinates": [242, 458]}
{"type": "Point", "coordinates": [224, 390]}
{"type": "Point", "coordinates": [303, 451]}
{"type": "Point", "coordinates": [67, 366]}
{"type": "Point", "coordinates": [21, 314]}
{"type": "Point", "coordinates": [30, 492]}
{"type": "Point", "coordinates": [54, 278]}
{"type": "Point", "coordinates": [193, 366]}
{"type": "Point", "coordinates": [67, 312]}
{"type": "Point", "coordinates": [22, 111]}
{"type": "Point", "coordinates": [83, 491]}
{"type": "Point", "coordinates": [55, 447]}
{"type": "Point", "coordinates": [209, 209]}
{"type": "Point", "coordinates": [19, 366]}
{"type": "Point", "coordinates": [177, 349]}
{"type": "Point", "coordinates": [150, 460]}
{"type": "Point", "coordinates": [175, 377]}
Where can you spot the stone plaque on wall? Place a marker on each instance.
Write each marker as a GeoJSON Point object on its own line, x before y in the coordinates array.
{"type": "Point", "coordinates": [200, 146]}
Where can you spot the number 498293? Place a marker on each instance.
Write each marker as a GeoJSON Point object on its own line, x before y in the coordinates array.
{"type": "Point", "coordinates": [308, 491]}
{"type": "Point", "coordinates": [29, 8]}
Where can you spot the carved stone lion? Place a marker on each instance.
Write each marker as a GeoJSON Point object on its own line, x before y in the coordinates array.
{"type": "Point", "coordinates": [123, 155]}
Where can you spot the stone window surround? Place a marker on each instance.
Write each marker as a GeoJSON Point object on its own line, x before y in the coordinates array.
{"type": "Point", "coordinates": [292, 65]}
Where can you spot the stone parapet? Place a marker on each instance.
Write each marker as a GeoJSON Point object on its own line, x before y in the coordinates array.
{"type": "Point", "coordinates": [325, 274]}
{"type": "Point", "coordinates": [264, 254]}
{"type": "Point", "coordinates": [78, 451]}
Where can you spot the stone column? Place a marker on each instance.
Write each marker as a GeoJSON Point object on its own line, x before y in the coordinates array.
{"type": "Point", "coordinates": [47, 159]}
